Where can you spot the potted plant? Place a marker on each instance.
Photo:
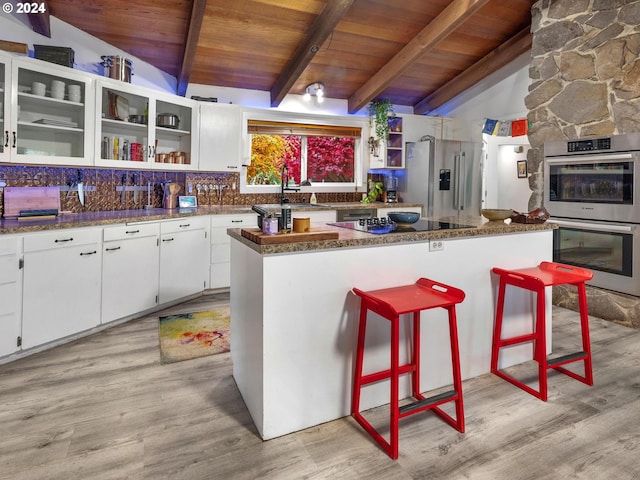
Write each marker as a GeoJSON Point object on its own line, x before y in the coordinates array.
{"type": "Point", "coordinates": [379, 113]}
{"type": "Point", "coordinates": [375, 190]}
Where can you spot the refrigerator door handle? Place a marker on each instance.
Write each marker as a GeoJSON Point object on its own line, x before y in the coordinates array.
{"type": "Point", "coordinates": [462, 181]}
{"type": "Point", "coordinates": [456, 181]}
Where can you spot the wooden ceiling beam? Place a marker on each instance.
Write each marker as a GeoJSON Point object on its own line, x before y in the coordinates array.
{"type": "Point", "coordinates": [318, 33]}
{"type": "Point", "coordinates": [40, 21]}
{"type": "Point", "coordinates": [441, 26]}
{"type": "Point", "coordinates": [191, 43]}
{"type": "Point", "coordinates": [511, 49]}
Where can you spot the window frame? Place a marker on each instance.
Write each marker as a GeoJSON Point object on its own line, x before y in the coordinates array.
{"type": "Point", "coordinates": [360, 157]}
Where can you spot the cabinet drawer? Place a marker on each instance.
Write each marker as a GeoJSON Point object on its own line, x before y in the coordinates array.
{"type": "Point", "coordinates": [8, 268]}
{"type": "Point", "coordinates": [8, 246]}
{"type": "Point", "coordinates": [124, 232]}
{"type": "Point", "coordinates": [61, 239]}
{"type": "Point", "coordinates": [184, 224]}
{"type": "Point", "coordinates": [232, 221]}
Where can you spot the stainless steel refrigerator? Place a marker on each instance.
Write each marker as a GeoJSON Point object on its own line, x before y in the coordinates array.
{"type": "Point", "coordinates": [444, 175]}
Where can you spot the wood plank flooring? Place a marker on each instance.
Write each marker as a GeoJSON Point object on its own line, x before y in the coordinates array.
{"type": "Point", "coordinates": [104, 408]}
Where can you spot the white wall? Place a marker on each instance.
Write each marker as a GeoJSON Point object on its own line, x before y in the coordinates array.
{"type": "Point", "coordinates": [499, 96]}
{"type": "Point", "coordinates": [513, 192]}
{"type": "Point", "coordinates": [87, 50]}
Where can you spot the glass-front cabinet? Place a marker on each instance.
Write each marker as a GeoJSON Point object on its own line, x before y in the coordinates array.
{"type": "Point", "coordinates": [46, 118]}
{"type": "Point", "coordinates": [389, 153]}
{"type": "Point", "coordinates": [142, 129]}
{"type": "Point", "coordinates": [5, 108]}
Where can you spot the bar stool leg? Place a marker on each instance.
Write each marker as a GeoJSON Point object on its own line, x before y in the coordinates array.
{"type": "Point", "coordinates": [357, 376]}
{"type": "Point", "coordinates": [540, 343]}
{"type": "Point", "coordinates": [395, 385]}
{"type": "Point", "coordinates": [457, 376]}
{"type": "Point", "coordinates": [415, 358]}
{"type": "Point", "coordinates": [586, 338]}
{"type": "Point", "coordinates": [497, 328]}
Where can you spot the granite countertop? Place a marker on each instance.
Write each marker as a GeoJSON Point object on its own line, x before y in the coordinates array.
{"type": "Point", "coordinates": [88, 219]}
{"type": "Point", "coordinates": [479, 227]}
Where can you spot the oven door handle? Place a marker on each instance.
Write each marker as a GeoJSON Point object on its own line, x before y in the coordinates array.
{"type": "Point", "coordinates": [594, 226]}
{"type": "Point", "coordinates": [590, 158]}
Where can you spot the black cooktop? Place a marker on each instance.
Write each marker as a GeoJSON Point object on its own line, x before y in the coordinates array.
{"type": "Point", "coordinates": [384, 226]}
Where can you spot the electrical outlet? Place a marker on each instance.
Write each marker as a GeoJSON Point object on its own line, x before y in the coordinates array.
{"type": "Point", "coordinates": [436, 245]}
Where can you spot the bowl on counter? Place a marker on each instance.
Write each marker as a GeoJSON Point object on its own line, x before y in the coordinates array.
{"type": "Point", "coordinates": [404, 218]}
{"type": "Point", "coordinates": [496, 214]}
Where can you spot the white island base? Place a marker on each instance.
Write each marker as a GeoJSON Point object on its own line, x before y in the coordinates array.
{"type": "Point", "coordinates": [294, 321]}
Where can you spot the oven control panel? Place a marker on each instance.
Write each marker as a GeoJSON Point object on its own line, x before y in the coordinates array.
{"type": "Point", "coordinates": [589, 145]}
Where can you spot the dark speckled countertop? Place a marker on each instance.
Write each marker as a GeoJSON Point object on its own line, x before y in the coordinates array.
{"type": "Point", "coordinates": [353, 238]}
{"type": "Point", "coordinates": [88, 219]}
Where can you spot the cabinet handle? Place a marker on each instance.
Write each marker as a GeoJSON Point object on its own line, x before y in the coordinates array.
{"type": "Point", "coordinates": [6, 138]}
{"type": "Point", "coordinates": [15, 139]}
{"type": "Point", "coordinates": [65, 240]}
{"type": "Point", "coordinates": [185, 225]}
{"type": "Point", "coordinates": [112, 249]}
{"type": "Point", "coordinates": [168, 239]}
{"type": "Point", "coordinates": [88, 253]}
{"type": "Point", "coordinates": [236, 221]}
{"type": "Point", "coordinates": [132, 231]}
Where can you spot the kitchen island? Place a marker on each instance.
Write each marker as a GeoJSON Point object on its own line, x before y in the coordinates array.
{"type": "Point", "coordinates": [294, 320]}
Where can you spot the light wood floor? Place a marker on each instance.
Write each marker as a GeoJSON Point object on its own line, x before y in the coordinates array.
{"type": "Point", "coordinates": [104, 408]}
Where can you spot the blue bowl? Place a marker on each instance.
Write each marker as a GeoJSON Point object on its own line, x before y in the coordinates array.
{"type": "Point", "coordinates": [404, 217]}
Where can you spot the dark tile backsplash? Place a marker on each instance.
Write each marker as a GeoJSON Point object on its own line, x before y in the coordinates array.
{"type": "Point", "coordinates": [103, 195]}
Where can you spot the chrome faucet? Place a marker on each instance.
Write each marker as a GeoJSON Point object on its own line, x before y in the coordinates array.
{"type": "Point", "coordinates": [283, 185]}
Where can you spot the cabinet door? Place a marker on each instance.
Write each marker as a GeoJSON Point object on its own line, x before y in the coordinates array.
{"type": "Point", "coordinates": [184, 264]}
{"type": "Point", "coordinates": [55, 127]}
{"type": "Point", "coordinates": [220, 274]}
{"type": "Point", "coordinates": [61, 291]}
{"type": "Point", "coordinates": [130, 269]}
{"type": "Point", "coordinates": [118, 141]}
{"type": "Point", "coordinates": [5, 108]}
{"type": "Point", "coordinates": [176, 134]}
{"type": "Point", "coordinates": [10, 296]}
{"type": "Point", "coordinates": [220, 138]}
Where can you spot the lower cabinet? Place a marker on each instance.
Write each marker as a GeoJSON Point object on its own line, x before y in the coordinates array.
{"type": "Point", "coordinates": [130, 270]}
{"type": "Point", "coordinates": [10, 295]}
{"type": "Point", "coordinates": [221, 245]}
{"type": "Point", "coordinates": [184, 257]}
{"type": "Point", "coordinates": [61, 284]}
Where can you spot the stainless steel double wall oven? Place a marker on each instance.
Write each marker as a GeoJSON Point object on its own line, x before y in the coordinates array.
{"type": "Point", "coordinates": [592, 190]}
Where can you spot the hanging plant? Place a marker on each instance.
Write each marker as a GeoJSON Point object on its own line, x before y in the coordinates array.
{"type": "Point", "coordinates": [379, 113]}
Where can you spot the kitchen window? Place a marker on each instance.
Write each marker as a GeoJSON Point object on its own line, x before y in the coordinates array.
{"type": "Point", "coordinates": [325, 156]}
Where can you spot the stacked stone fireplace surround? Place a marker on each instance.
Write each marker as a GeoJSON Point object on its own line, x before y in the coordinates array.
{"type": "Point", "coordinates": [585, 82]}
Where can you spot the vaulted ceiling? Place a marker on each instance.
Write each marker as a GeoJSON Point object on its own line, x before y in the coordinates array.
{"type": "Point", "coordinates": [419, 53]}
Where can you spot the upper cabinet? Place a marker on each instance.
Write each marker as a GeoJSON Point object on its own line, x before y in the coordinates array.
{"type": "Point", "coordinates": [139, 128]}
{"type": "Point", "coordinates": [220, 137]}
{"type": "Point", "coordinates": [388, 153]}
{"type": "Point", "coordinates": [46, 113]}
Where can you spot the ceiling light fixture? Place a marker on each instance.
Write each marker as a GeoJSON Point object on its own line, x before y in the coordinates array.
{"type": "Point", "coordinates": [316, 89]}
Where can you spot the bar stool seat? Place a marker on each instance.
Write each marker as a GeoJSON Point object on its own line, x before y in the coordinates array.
{"type": "Point", "coordinates": [390, 303]}
{"type": "Point", "coordinates": [536, 279]}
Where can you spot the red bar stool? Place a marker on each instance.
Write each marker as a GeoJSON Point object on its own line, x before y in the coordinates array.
{"type": "Point", "coordinates": [390, 303]}
{"type": "Point", "coordinates": [536, 279]}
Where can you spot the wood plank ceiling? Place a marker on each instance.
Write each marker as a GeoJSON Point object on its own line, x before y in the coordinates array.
{"type": "Point", "coordinates": [419, 53]}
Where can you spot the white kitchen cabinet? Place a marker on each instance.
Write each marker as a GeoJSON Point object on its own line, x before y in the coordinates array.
{"type": "Point", "coordinates": [40, 129]}
{"type": "Point", "coordinates": [220, 137]}
{"type": "Point", "coordinates": [220, 245]}
{"type": "Point", "coordinates": [61, 284]}
{"type": "Point", "coordinates": [121, 143]}
{"type": "Point", "coordinates": [184, 257]}
{"type": "Point", "coordinates": [130, 270]}
{"type": "Point", "coordinates": [10, 295]}
{"type": "Point", "coordinates": [388, 153]}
